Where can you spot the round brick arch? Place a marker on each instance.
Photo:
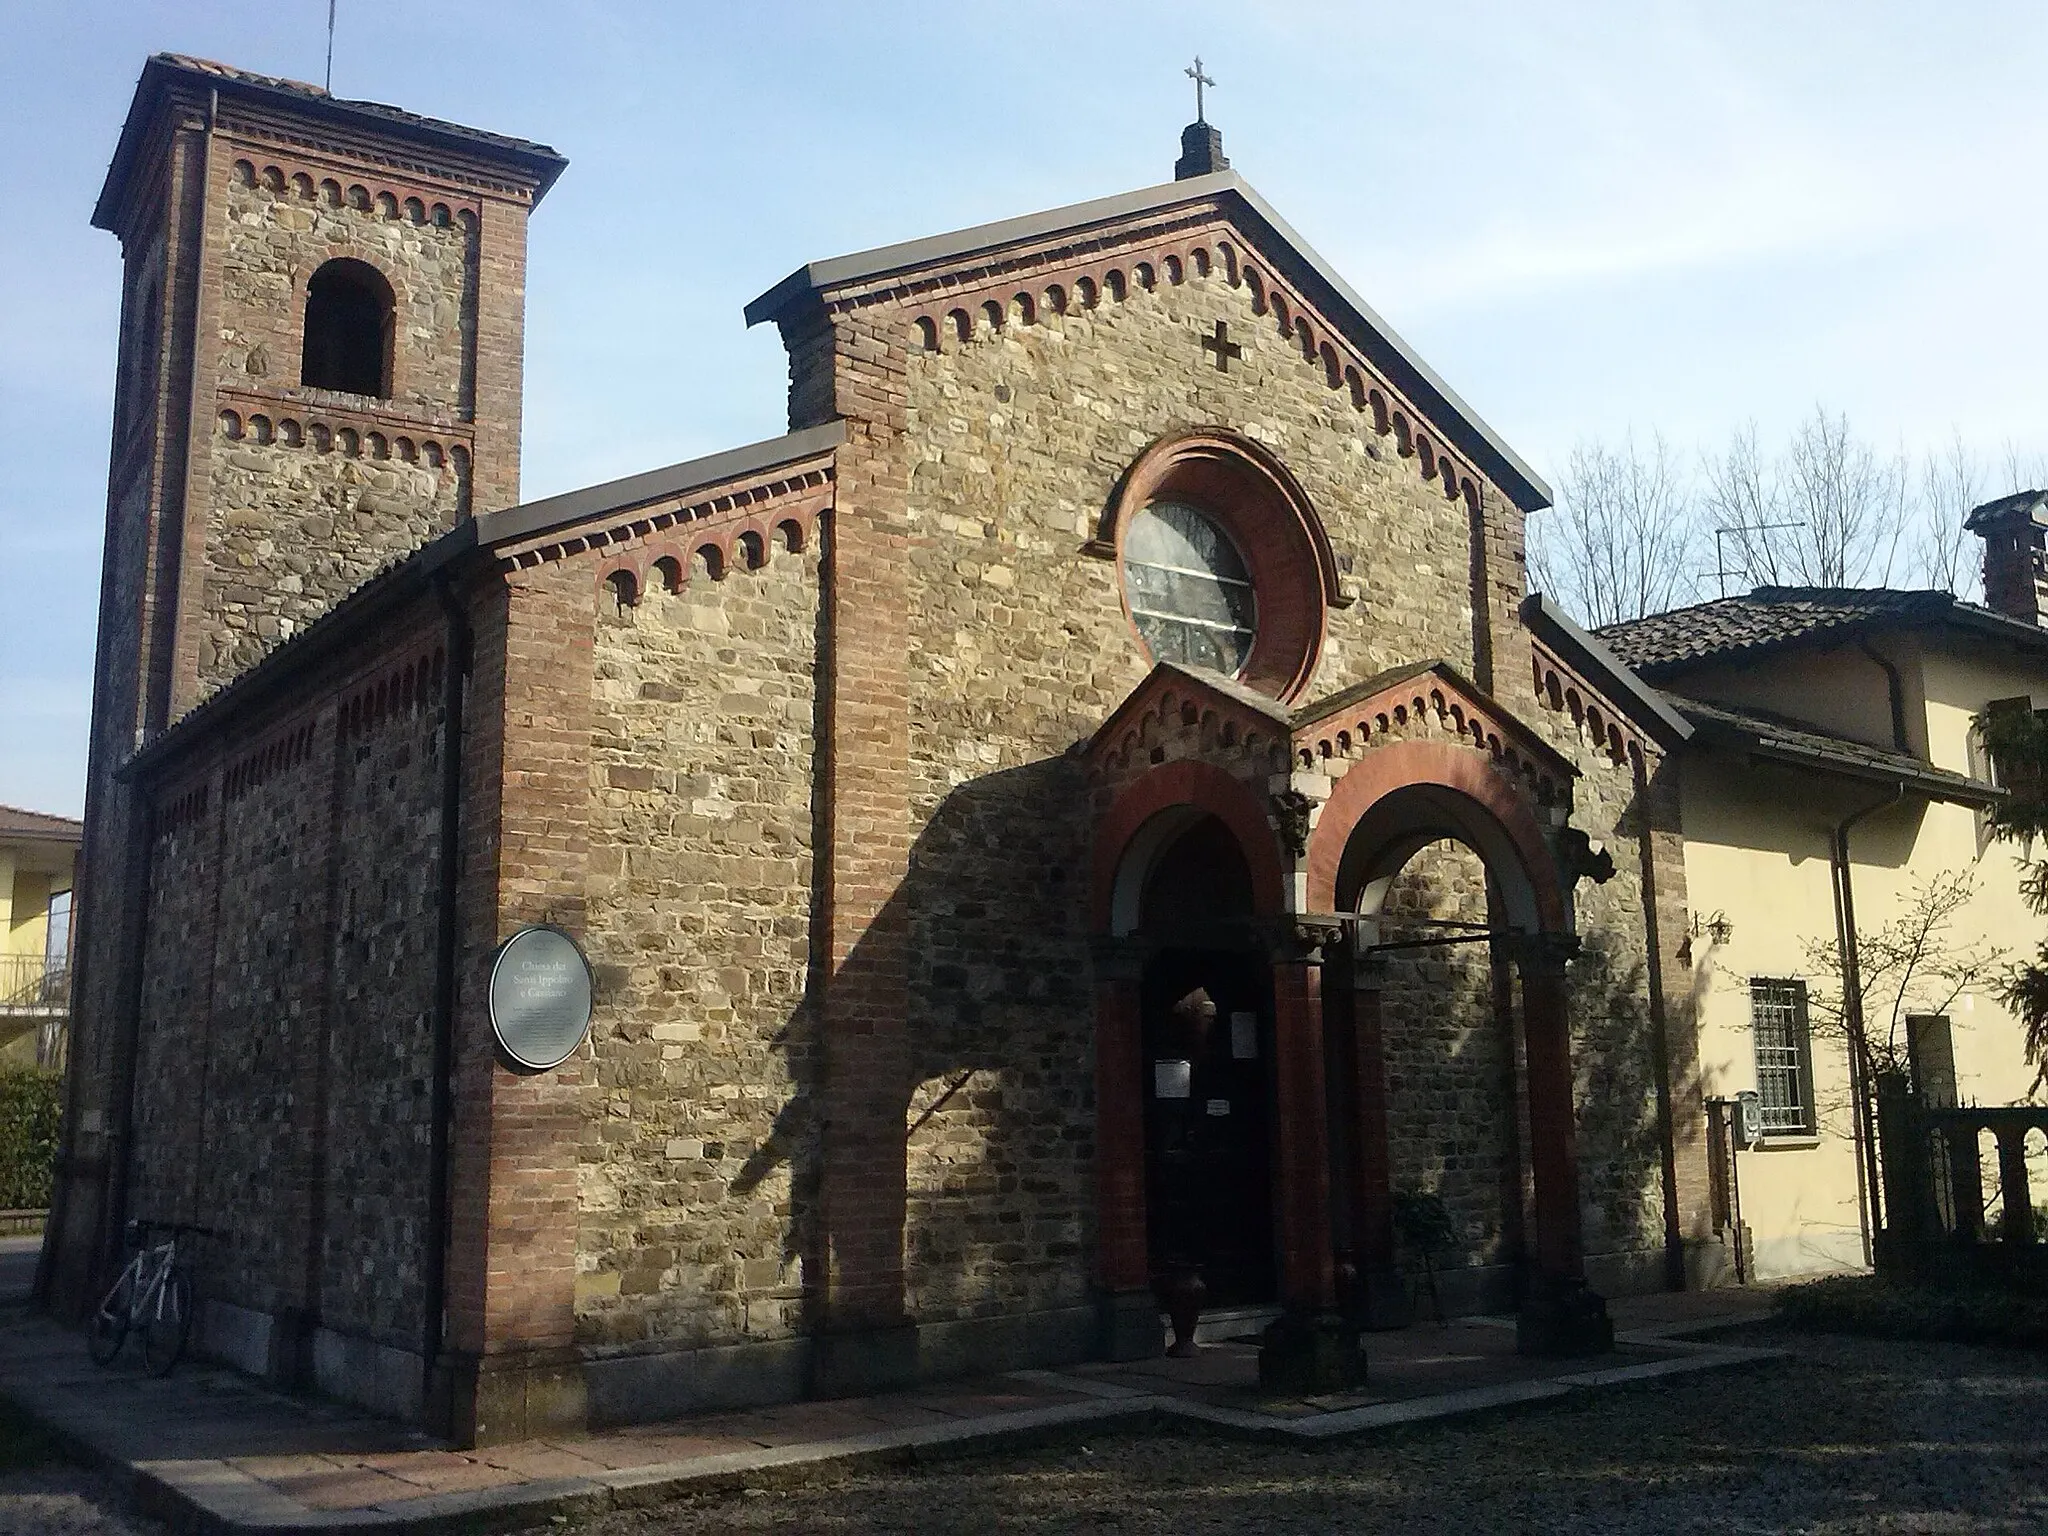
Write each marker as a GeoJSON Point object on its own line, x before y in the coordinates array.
{"type": "Point", "coordinates": [1416, 791]}
{"type": "Point", "coordinates": [1195, 789]}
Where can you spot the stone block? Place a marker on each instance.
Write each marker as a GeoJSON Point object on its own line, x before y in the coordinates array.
{"type": "Point", "coordinates": [1563, 1319]}
{"type": "Point", "coordinates": [1129, 1327]}
{"type": "Point", "coordinates": [855, 1364]}
{"type": "Point", "coordinates": [1303, 1353]}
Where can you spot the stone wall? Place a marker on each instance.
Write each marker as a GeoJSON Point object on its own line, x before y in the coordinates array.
{"type": "Point", "coordinates": [310, 490]}
{"type": "Point", "coordinates": [1020, 649]}
{"type": "Point", "coordinates": [1615, 1028]}
{"type": "Point", "coordinates": [283, 1062]}
{"type": "Point", "coordinates": [295, 527]}
{"type": "Point", "coordinates": [1452, 1106]}
{"type": "Point", "coordinates": [699, 1139]}
{"type": "Point", "coordinates": [280, 230]}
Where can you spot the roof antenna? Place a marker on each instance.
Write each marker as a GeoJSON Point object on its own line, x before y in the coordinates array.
{"type": "Point", "coordinates": [330, 47]}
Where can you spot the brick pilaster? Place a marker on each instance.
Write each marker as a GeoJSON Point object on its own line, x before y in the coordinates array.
{"type": "Point", "coordinates": [858, 1285]}
{"type": "Point", "coordinates": [511, 1299]}
{"type": "Point", "coordinates": [498, 362]}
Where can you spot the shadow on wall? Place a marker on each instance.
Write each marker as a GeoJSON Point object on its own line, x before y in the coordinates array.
{"type": "Point", "coordinates": [961, 1146]}
{"type": "Point", "coordinates": [1621, 1136]}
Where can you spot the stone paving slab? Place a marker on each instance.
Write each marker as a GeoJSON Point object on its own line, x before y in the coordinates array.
{"type": "Point", "coordinates": [213, 1452]}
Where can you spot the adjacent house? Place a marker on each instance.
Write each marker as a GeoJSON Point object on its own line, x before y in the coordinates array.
{"type": "Point", "coordinates": [1834, 783]}
{"type": "Point", "coordinates": [38, 855]}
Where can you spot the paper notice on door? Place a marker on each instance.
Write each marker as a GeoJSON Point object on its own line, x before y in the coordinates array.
{"type": "Point", "coordinates": [1244, 1037]}
{"type": "Point", "coordinates": [1218, 1106]}
{"type": "Point", "coordinates": [1172, 1079]}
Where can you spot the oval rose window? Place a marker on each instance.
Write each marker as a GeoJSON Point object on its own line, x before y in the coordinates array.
{"type": "Point", "coordinates": [1189, 590]}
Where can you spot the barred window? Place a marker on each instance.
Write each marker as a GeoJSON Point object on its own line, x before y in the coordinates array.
{"type": "Point", "coordinates": [1784, 1055]}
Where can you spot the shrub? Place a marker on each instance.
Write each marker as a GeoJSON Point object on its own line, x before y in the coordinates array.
{"type": "Point", "coordinates": [1977, 1312]}
{"type": "Point", "coordinates": [31, 1104]}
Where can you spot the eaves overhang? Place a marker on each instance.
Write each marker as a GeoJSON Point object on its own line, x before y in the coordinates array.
{"type": "Point", "coordinates": [468, 545]}
{"type": "Point", "coordinates": [1761, 739]}
{"type": "Point", "coordinates": [1643, 704]}
{"type": "Point", "coordinates": [536, 164]}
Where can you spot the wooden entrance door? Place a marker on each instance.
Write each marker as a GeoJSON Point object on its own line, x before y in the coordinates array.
{"type": "Point", "coordinates": [1207, 1026]}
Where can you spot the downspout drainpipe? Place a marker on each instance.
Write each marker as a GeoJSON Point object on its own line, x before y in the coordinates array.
{"type": "Point", "coordinates": [1895, 689]}
{"type": "Point", "coordinates": [1852, 1015]}
{"type": "Point", "coordinates": [434, 1277]}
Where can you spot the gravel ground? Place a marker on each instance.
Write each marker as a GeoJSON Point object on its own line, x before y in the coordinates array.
{"type": "Point", "coordinates": [1853, 1435]}
{"type": "Point", "coordinates": [63, 1501]}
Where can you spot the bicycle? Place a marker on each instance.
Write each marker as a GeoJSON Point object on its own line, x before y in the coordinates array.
{"type": "Point", "coordinates": [153, 1290]}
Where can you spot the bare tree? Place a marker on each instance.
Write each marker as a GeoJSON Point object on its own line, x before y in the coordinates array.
{"type": "Point", "coordinates": [1919, 962]}
{"type": "Point", "coordinates": [1951, 483]}
{"type": "Point", "coordinates": [1830, 511]}
{"type": "Point", "coordinates": [1622, 541]}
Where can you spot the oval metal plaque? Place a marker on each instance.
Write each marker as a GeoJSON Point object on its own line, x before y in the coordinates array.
{"type": "Point", "coordinates": [540, 997]}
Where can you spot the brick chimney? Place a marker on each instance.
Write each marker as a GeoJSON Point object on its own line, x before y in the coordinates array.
{"type": "Point", "coordinates": [2015, 533]}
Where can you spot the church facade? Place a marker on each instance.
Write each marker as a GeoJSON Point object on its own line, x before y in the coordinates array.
{"type": "Point", "coordinates": [1085, 817]}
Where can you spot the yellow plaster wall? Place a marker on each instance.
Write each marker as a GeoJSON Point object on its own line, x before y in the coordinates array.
{"type": "Point", "coordinates": [1757, 852]}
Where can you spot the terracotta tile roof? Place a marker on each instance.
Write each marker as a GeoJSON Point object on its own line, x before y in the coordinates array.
{"type": "Point", "coordinates": [1800, 743]}
{"type": "Point", "coordinates": [17, 823]}
{"type": "Point", "coordinates": [1769, 619]}
{"type": "Point", "coordinates": [395, 115]}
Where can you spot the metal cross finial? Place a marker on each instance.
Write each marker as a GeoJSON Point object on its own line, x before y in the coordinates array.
{"type": "Point", "coordinates": [1200, 80]}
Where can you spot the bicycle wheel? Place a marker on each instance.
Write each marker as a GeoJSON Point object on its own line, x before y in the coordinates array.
{"type": "Point", "coordinates": [168, 1321]}
{"type": "Point", "coordinates": [110, 1324]}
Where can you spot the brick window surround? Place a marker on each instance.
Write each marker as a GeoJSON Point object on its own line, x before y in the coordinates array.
{"type": "Point", "coordinates": [1267, 515]}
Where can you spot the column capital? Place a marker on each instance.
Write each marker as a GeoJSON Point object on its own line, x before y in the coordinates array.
{"type": "Point", "coordinates": [1542, 954]}
{"type": "Point", "coordinates": [1298, 940]}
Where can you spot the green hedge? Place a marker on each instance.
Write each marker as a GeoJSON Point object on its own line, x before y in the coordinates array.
{"type": "Point", "coordinates": [30, 1105]}
{"type": "Point", "coordinates": [1966, 1313]}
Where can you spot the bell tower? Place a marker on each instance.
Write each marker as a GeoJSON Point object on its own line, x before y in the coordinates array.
{"type": "Point", "coordinates": [322, 326]}
{"type": "Point", "coordinates": [321, 337]}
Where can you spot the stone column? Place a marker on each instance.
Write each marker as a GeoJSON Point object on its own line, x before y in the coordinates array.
{"type": "Point", "coordinates": [1560, 1316]}
{"type": "Point", "coordinates": [1310, 1348]}
{"type": "Point", "coordinates": [1130, 1312]}
{"type": "Point", "coordinates": [1381, 1301]}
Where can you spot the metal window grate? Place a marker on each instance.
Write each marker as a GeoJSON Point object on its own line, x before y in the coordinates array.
{"type": "Point", "coordinates": [1777, 1011]}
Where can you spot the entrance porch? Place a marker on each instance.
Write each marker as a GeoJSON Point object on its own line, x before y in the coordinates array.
{"type": "Point", "coordinates": [1244, 859]}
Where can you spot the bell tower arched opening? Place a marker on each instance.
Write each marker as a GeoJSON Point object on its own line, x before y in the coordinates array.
{"type": "Point", "coordinates": [351, 315]}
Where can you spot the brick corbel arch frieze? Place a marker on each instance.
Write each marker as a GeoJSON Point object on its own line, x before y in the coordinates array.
{"type": "Point", "coordinates": [1462, 771]}
{"type": "Point", "coordinates": [1199, 787]}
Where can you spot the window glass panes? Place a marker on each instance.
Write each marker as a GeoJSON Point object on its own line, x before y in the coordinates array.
{"type": "Point", "coordinates": [1188, 589]}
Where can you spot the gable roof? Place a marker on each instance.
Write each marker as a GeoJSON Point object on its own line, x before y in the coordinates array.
{"type": "Point", "coordinates": [1772, 619]}
{"type": "Point", "coordinates": [1802, 744]}
{"type": "Point", "coordinates": [18, 825]}
{"type": "Point", "coordinates": [537, 162]}
{"type": "Point", "coordinates": [1255, 217]}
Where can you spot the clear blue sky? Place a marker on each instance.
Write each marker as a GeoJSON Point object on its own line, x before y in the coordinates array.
{"type": "Point", "coordinates": [1589, 218]}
